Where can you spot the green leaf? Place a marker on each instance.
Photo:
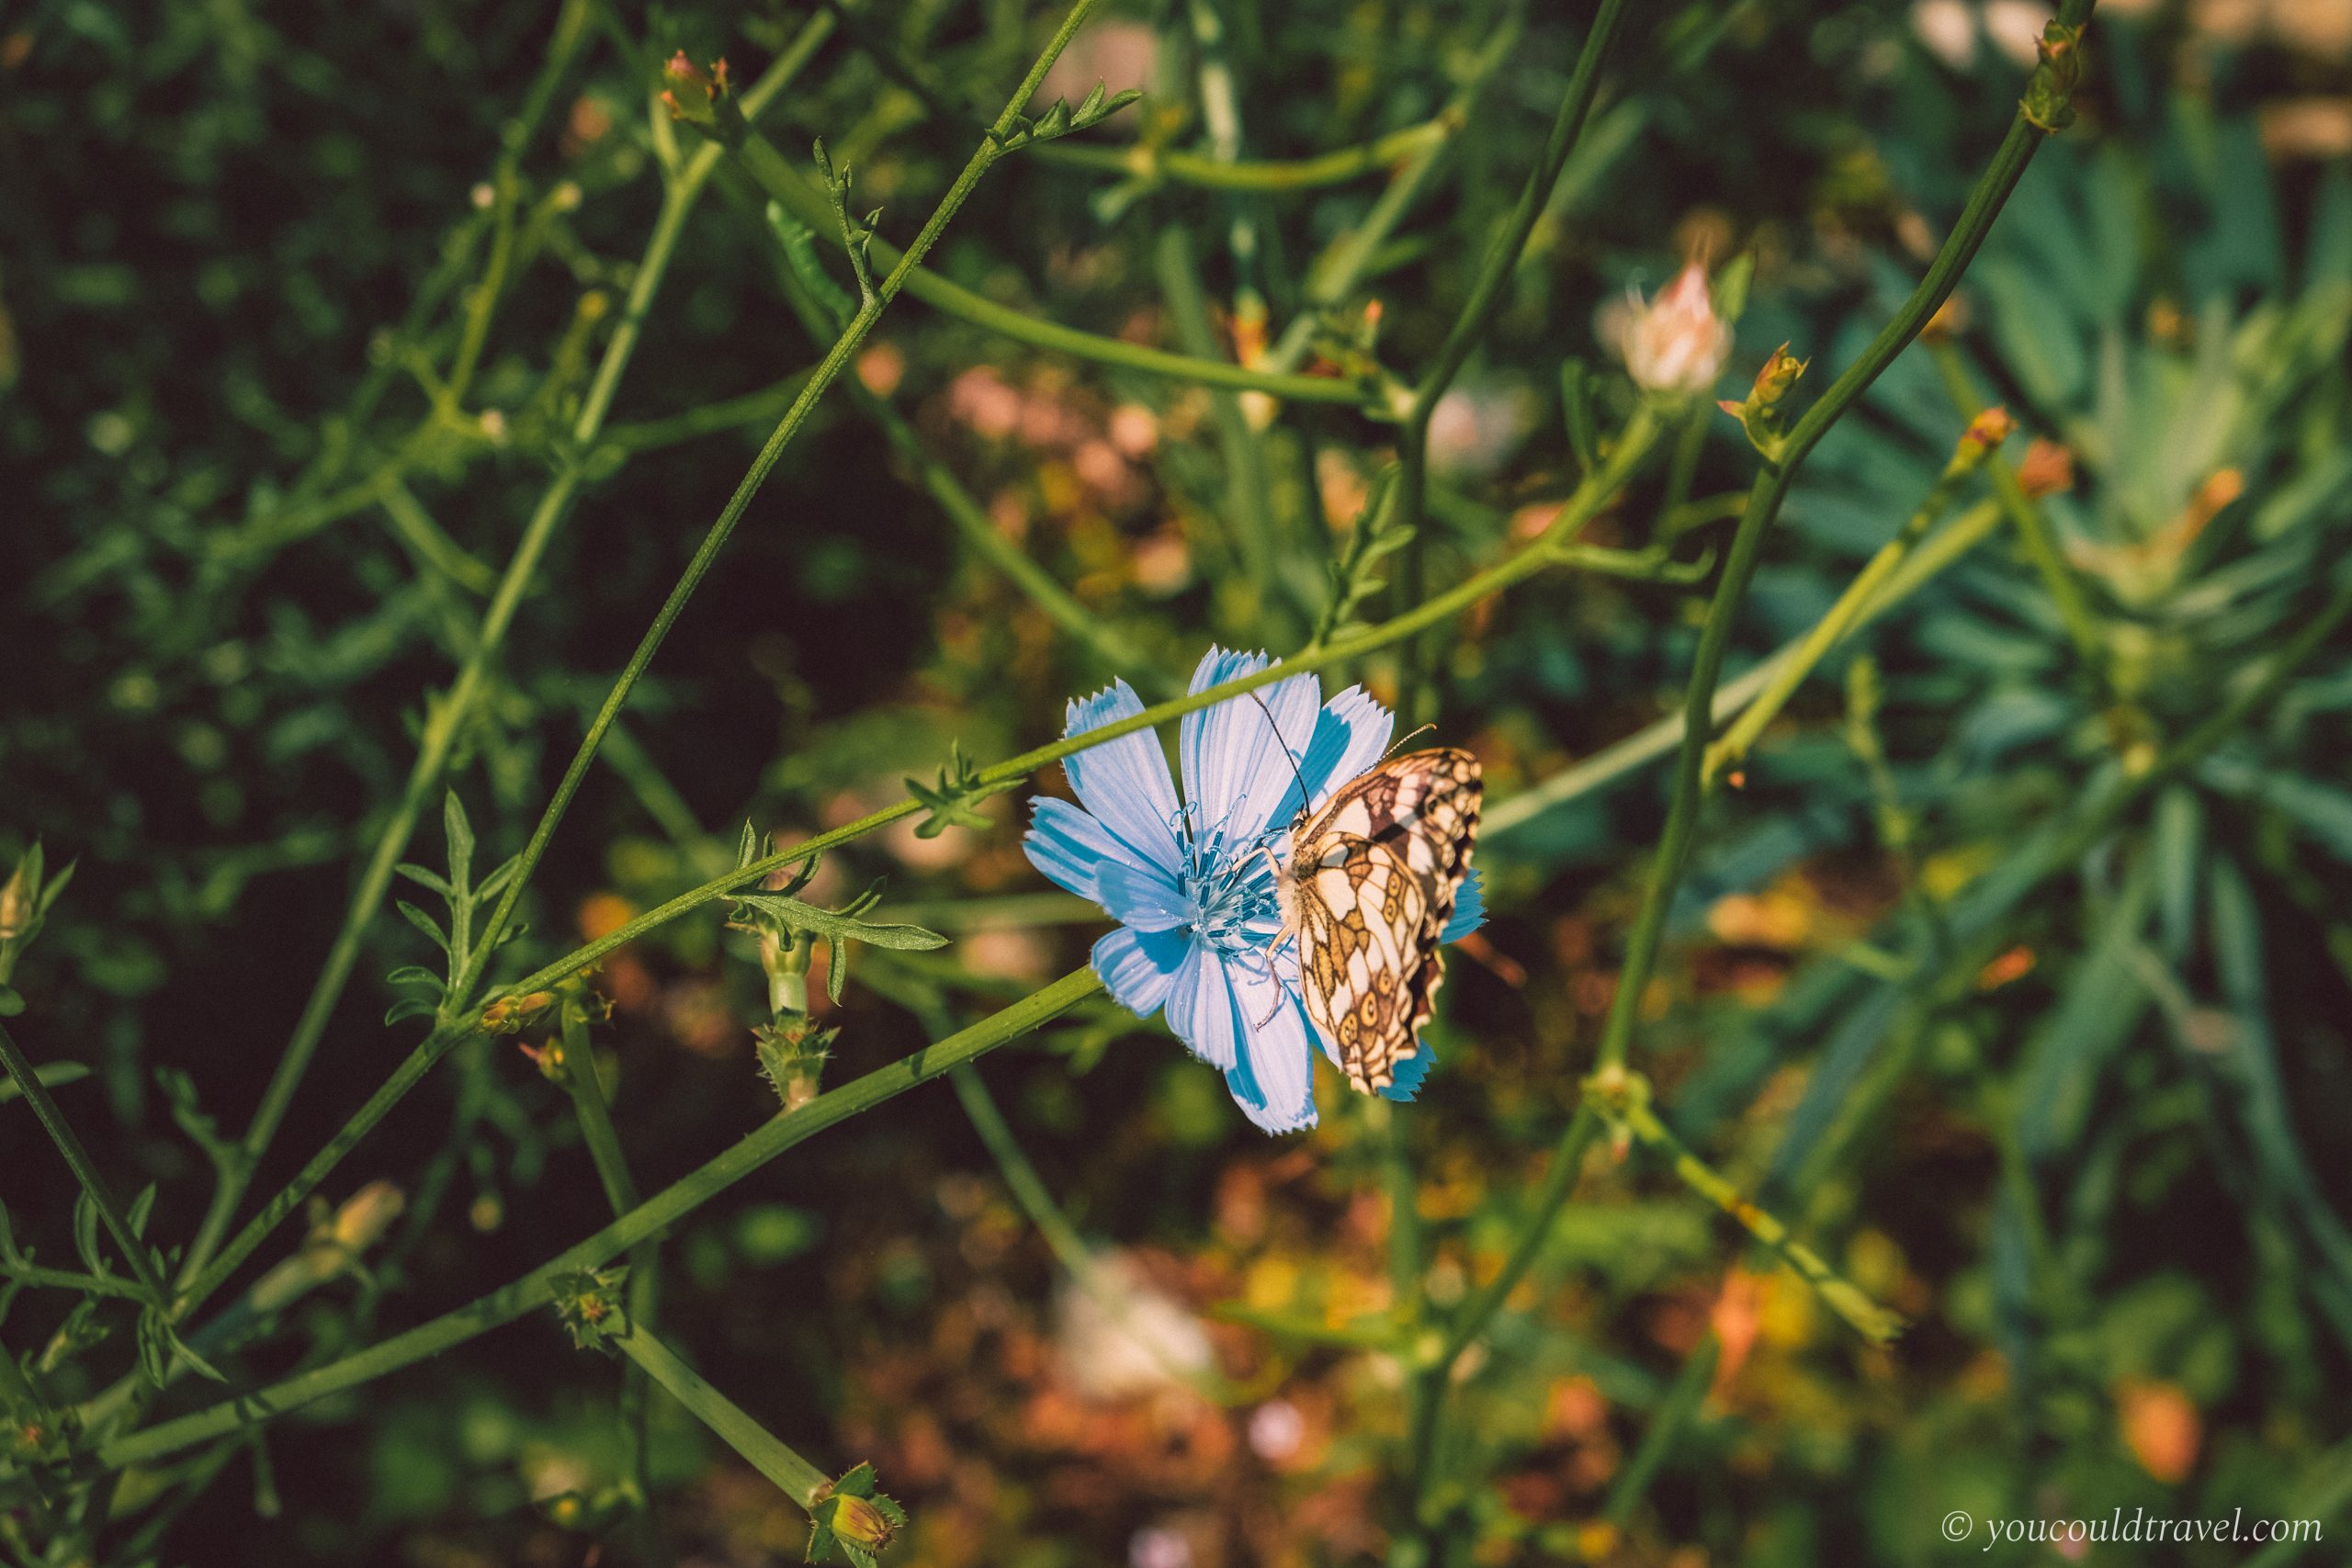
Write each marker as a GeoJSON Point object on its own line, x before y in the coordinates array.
{"type": "Point", "coordinates": [85, 1234]}
{"type": "Point", "coordinates": [461, 834]}
{"type": "Point", "coordinates": [495, 883]}
{"type": "Point", "coordinates": [429, 880]}
{"type": "Point", "coordinates": [825, 923]}
{"type": "Point", "coordinates": [408, 1008]}
{"type": "Point", "coordinates": [426, 924]}
{"type": "Point", "coordinates": [140, 1208]}
{"type": "Point", "coordinates": [415, 975]}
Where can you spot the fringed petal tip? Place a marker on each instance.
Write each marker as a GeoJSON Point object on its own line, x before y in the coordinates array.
{"type": "Point", "coordinates": [1469, 910]}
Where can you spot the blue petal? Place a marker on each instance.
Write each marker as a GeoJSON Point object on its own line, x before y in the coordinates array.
{"type": "Point", "coordinates": [1238, 770]}
{"type": "Point", "coordinates": [1273, 1080]}
{"type": "Point", "coordinates": [1072, 847]}
{"type": "Point", "coordinates": [1199, 1008]}
{"type": "Point", "coordinates": [1351, 734]}
{"type": "Point", "coordinates": [1409, 1073]}
{"type": "Point", "coordinates": [1124, 783]}
{"type": "Point", "coordinates": [1137, 968]}
{"type": "Point", "coordinates": [1146, 900]}
{"type": "Point", "coordinates": [1469, 910]}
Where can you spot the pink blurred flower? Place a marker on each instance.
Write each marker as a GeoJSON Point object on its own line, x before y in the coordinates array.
{"type": "Point", "coordinates": [1676, 344]}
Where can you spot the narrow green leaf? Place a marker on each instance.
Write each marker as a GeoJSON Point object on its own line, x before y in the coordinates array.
{"type": "Point", "coordinates": [424, 923]}
{"type": "Point", "coordinates": [461, 839]}
{"type": "Point", "coordinates": [430, 880]}
{"type": "Point", "coordinates": [825, 923]}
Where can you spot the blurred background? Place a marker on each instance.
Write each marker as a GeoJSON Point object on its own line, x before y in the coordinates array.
{"type": "Point", "coordinates": [2105, 1178]}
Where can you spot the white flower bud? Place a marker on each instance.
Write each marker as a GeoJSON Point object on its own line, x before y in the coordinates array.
{"type": "Point", "coordinates": [1675, 344]}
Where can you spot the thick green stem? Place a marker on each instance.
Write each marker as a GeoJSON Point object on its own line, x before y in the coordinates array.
{"type": "Point", "coordinates": [657, 1213]}
{"type": "Point", "coordinates": [1771, 489]}
{"type": "Point", "coordinates": [800, 1481]}
{"type": "Point", "coordinates": [85, 1169]}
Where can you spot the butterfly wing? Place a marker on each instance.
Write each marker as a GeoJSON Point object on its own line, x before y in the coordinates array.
{"type": "Point", "coordinates": [1375, 874]}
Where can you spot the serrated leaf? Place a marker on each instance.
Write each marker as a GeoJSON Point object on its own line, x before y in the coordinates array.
{"type": "Point", "coordinates": [826, 923]}
{"type": "Point", "coordinates": [747, 849]}
{"type": "Point", "coordinates": [430, 880]}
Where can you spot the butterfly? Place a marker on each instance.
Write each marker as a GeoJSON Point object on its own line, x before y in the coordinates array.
{"type": "Point", "coordinates": [1367, 890]}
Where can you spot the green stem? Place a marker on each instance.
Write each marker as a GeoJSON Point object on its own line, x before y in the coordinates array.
{"type": "Point", "coordinates": [1682, 1401]}
{"type": "Point", "coordinates": [1486, 298]}
{"type": "Point", "coordinates": [980, 534]}
{"type": "Point", "coordinates": [85, 1169]}
{"type": "Point", "coordinates": [649, 1218]}
{"type": "Point", "coordinates": [446, 717]}
{"type": "Point", "coordinates": [2034, 532]}
{"type": "Point", "coordinates": [1965, 532]}
{"type": "Point", "coordinates": [878, 299]}
{"type": "Point", "coordinates": [1815, 644]}
{"type": "Point", "coordinates": [1028, 1188]}
{"type": "Point", "coordinates": [1261, 175]}
{"type": "Point", "coordinates": [800, 1481]}
{"type": "Point", "coordinates": [1624, 1104]}
{"type": "Point", "coordinates": [603, 1142]}
{"type": "Point", "coordinates": [1771, 489]}
{"type": "Point", "coordinates": [1590, 497]}
{"type": "Point", "coordinates": [798, 195]}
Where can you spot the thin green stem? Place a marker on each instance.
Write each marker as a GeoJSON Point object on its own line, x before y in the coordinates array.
{"type": "Point", "coordinates": [1260, 175]}
{"type": "Point", "coordinates": [1815, 644]}
{"type": "Point", "coordinates": [795, 192]}
{"type": "Point", "coordinates": [595, 1118]}
{"type": "Point", "coordinates": [980, 532]}
{"type": "Point", "coordinates": [2034, 532]}
{"type": "Point", "coordinates": [1604, 767]}
{"type": "Point", "coordinates": [878, 299]}
{"type": "Point", "coordinates": [649, 1218]}
{"type": "Point", "coordinates": [1683, 1399]}
{"type": "Point", "coordinates": [85, 1169]}
{"type": "Point", "coordinates": [446, 717]}
{"type": "Point", "coordinates": [1632, 448]}
{"type": "Point", "coordinates": [1028, 1188]}
{"type": "Point", "coordinates": [1486, 295]}
{"type": "Point", "coordinates": [799, 1480]}
{"type": "Point", "coordinates": [1771, 489]}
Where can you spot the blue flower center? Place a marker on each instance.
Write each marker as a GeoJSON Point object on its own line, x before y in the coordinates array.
{"type": "Point", "coordinates": [1231, 888]}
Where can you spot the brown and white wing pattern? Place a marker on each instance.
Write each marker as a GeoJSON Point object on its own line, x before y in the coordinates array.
{"type": "Point", "coordinates": [1374, 875]}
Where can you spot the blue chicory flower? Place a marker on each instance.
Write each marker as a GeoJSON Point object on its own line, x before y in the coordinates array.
{"type": "Point", "coordinates": [1192, 886]}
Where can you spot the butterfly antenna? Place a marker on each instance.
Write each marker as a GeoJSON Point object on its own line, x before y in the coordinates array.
{"type": "Point", "coordinates": [1303, 799]}
{"type": "Point", "coordinates": [1394, 745]}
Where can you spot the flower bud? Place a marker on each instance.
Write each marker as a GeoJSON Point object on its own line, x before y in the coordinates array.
{"type": "Point", "coordinates": [15, 905]}
{"type": "Point", "coordinates": [2047, 469]}
{"type": "Point", "coordinates": [1984, 432]}
{"type": "Point", "coordinates": [1758, 413]}
{"type": "Point", "coordinates": [692, 92]}
{"type": "Point", "coordinates": [2048, 95]}
{"type": "Point", "coordinates": [861, 1524]}
{"type": "Point", "coordinates": [1676, 345]}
